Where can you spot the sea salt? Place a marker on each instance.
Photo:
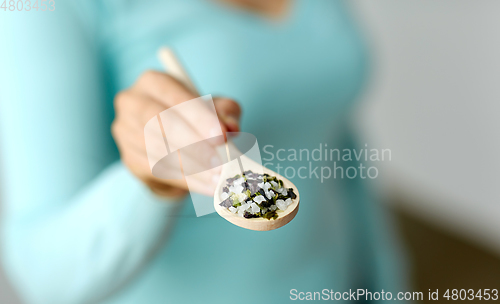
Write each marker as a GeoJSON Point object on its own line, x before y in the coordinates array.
{"type": "Point", "coordinates": [255, 208]}
{"type": "Point", "coordinates": [252, 195]}
{"type": "Point", "coordinates": [281, 204]}
{"type": "Point", "coordinates": [236, 189]}
{"type": "Point", "coordinates": [259, 199]}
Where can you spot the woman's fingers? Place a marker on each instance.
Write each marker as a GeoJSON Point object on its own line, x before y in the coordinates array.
{"type": "Point", "coordinates": [201, 166]}
{"type": "Point", "coordinates": [169, 92]}
{"type": "Point", "coordinates": [137, 110]}
{"type": "Point", "coordinates": [229, 113]}
{"type": "Point", "coordinates": [200, 160]}
{"type": "Point", "coordinates": [158, 120]}
{"type": "Point", "coordinates": [200, 183]}
{"type": "Point", "coordinates": [163, 87]}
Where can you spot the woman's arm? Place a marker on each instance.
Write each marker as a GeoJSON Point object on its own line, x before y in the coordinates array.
{"type": "Point", "coordinates": [76, 224]}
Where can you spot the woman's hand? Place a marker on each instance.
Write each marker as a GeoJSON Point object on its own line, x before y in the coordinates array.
{"type": "Point", "coordinates": [153, 93]}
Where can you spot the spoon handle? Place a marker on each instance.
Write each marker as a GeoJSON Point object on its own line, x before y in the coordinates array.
{"type": "Point", "coordinates": [174, 68]}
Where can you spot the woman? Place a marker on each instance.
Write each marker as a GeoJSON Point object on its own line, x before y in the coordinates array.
{"type": "Point", "coordinates": [82, 225]}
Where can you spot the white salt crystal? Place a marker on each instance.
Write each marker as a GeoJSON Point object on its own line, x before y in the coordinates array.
{"type": "Point", "coordinates": [259, 199]}
{"type": "Point", "coordinates": [239, 181]}
{"type": "Point", "coordinates": [224, 196]}
{"type": "Point", "coordinates": [232, 209]}
{"type": "Point", "coordinates": [288, 202]}
{"type": "Point", "coordinates": [244, 206]}
{"type": "Point", "coordinates": [275, 184]}
{"type": "Point", "coordinates": [236, 189]}
{"type": "Point", "coordinates": [281, 204]}
{"type": "Point", "coordinates": [255, 208]}
{"type": "Point", "coordinates": [241, 197]}
{"type": "Point", "coordinates": [270, 194]}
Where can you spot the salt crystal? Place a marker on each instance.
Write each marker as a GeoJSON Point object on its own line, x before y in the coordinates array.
{"type": "Point", "coordinates": [270, 194]}
{"type": "Point", "coordinates": [239, 181]}
{"type": "Point", "coordinates": [245, 206]}
{"type": "Point", "coordinates": [236, 189]}
{"type": "Point", "coordinates": [241, 197]}
{"type": "Point", "coordinates": [281, 204]}
{"type": "Point", "coordinates": [255, 208]}
{"type": "Point", "coordinates": [259, 199]}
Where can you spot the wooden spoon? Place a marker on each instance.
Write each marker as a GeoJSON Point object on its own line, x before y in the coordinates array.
{"type": "Point", "coordinates": [235, 165]}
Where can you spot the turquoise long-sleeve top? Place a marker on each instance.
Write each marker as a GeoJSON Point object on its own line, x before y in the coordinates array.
{"type": "Point", "coordinates": [78, 227]}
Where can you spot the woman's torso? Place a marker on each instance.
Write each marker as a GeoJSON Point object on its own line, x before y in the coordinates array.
{"type": "Point", "coordinates": [302, 72]}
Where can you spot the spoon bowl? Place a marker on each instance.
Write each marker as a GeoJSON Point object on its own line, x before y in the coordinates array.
{"type": "Point", "coordinates": [237, 166]}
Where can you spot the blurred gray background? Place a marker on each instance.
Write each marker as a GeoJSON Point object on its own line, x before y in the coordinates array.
{"type": "Point", "coordinates": [434, 101]}
{"type": "Point", "coordinates": [7, 296]}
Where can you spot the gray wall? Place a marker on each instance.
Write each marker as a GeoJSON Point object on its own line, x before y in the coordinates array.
{"type": "Point", "coordinates": [435, 101]}
{"type": "Point", "coordinates": [7, 296]}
